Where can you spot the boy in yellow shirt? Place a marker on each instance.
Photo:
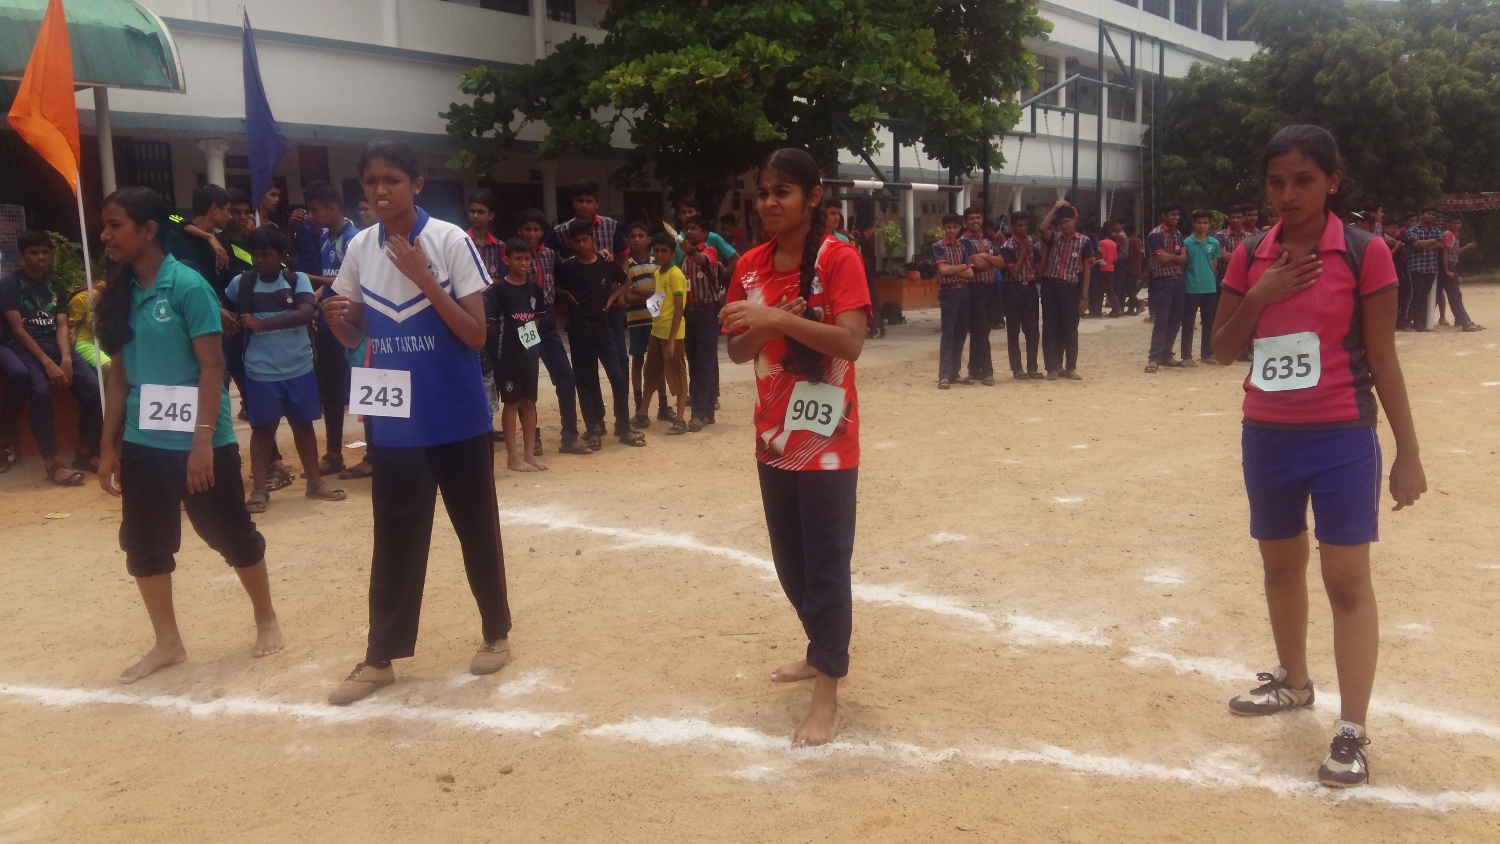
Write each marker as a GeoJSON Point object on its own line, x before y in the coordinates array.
{"type": "Point", "coordinates": [666, 359]}
{"type": "Point", "coordinates": [80, 319]}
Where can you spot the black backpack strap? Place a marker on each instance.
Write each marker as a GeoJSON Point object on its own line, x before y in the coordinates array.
{"type": "Point", "coordinates": [1356, 241]}
{"type": "Point", "coordinates": [1249, 245]}
{"type": "Point", "coordinates": [244, 296]}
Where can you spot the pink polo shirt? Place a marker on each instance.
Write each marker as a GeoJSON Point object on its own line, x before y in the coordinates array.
{"type": "Point", "coordinates": [1343, 396]}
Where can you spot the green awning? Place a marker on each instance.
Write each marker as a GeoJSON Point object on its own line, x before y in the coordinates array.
{"type": "Point", "coordinates": [116, 44]}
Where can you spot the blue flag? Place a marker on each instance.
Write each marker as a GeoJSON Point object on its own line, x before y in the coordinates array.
{"type": "Point", "coordinates": [262, 135]}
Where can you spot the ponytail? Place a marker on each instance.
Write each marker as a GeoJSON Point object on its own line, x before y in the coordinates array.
{"type": "Point", "coordinates": [801, 169]}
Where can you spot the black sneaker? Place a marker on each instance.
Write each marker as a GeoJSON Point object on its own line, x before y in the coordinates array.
{"type": "Point", "coordinates": [1272, 697]}
{"type": "Point", "coordinates": [1346, 765]}
{"type": "Point", "coordinates": [665, 414]}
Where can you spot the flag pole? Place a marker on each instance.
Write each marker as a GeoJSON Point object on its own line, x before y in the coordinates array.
{"type": "Point", "coordinates": [88, 277]}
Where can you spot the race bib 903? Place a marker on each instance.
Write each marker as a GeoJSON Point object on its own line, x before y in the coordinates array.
{"type": "Point", "coordinates": [1288, 362]}
{"type": "Point", "coordinates": [168, 408]}
{"type": "Point", "coordinates": [380, 392]}
{"type": "Point", "coordinates": [815, 407]}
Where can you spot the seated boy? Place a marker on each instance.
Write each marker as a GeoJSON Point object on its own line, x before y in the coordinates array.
{"type": "Point", "coordinates": [274, 307]}
{"type": "Point", "coordinates": [37, 356]}
{"type": "Point", "coordinates": [666, 360]}
{"type": "Point", "coordinates": [511, 304]}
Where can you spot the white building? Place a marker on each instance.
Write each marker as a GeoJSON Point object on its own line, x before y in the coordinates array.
{"type": "Point", "coordinates": [338, 72]}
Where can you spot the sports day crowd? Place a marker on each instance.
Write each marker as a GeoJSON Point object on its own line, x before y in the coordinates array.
{"type": "Point", "coordinates": [427, 331]}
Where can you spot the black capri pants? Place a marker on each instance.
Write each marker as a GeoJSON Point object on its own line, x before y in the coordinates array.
{"type": "Point", "coordinates": [810, 518]}
{"type": "Point", "coordinates": [153, 487]}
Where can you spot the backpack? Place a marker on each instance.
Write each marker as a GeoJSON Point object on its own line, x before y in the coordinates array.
{"type": "Point", "coordinates": [891, 313]}
{"type": "Point", "coordinates": [246, 293]}
{"type": "Point", "coordinates": [1356, 241]}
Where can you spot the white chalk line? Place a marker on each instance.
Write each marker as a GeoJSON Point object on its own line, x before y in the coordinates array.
{"type": "Point", "coordinates": [1025, 628]}
{"type": "Point", "coordinates": [375, 710]}
{"type": "Point", "coordinates": [1228, 768]}
{"type": "Point", "coordinates": [1231, 673]}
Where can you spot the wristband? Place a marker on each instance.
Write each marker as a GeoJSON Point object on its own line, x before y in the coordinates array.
{"type": "Point", "coordinates": [209, 427]}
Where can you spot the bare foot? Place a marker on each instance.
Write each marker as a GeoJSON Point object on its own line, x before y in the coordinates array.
{"type": "Point", "coordinates": [794, 672]}
{"type": "Point", "coordinates": [267, 639]}
{"type": "Point", "coordinates": [537, 463]}
{"type": "Point", "coordinates": [822, 723]}
{"type": "Point", "coordinates": [519, 464]}
{"type": "Point", "coordinates": [157, 658]}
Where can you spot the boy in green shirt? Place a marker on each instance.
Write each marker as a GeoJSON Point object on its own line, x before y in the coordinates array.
{"type": "Point", "coordinates": [1202, 287]}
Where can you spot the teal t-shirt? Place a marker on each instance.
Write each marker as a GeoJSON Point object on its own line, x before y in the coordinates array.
{"type": "Point", "coordinates": [1202, 256]}
{"type": "Point", "coordinates": [720, 246]}
{"type": "Point", "coordinates": [165, 319]}
{"type": "Point", "coordinates": [285, 353]}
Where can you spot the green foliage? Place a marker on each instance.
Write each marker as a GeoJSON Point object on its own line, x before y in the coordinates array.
{"type": "Point", "coordinates": [1411, 90]}
{"type": "Point", "coordinates": [67, 263]}
{"type": "Point", "coordinates": [890, 239]}
{"type": "Point", "coordinates": [705, 90]}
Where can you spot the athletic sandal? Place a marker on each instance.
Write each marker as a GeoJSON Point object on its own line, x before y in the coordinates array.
{"type": "Point", "coordinates": [536, 448]}
{"type": "Point", "coordinates": [1051, 375]}
{"type": "Point", "coordinates": [1346, 765]}
{"type": "Point", "coordinates": [678, 427]}
{"type": "Point", "coordinates": [360, 683]}
{"type": "Point", "coordinates": [354, 473]}
{"type": "Point", "coordinates": [575, 447]}
{"type": "Point", "coordinates": [1188, 362]}
{"type": "Point", "coordinates": [943, 383]}
{"type": "Point", "coordinates": [634, 439]}
{"type": "Point", "coordinates": [989, 381]}
{"type": "Point", "coordinates": [281, 478]}
{"type": "Point", "coordinates": [966, 382]}
{"type": "Point", "coordinates": [490, 658]}
{"type": "Point", "coordinates": [1173, 363]}
{"type": "Point", "coordinates": [330, 465]}
{"type": "Point", "coordinates": [323, 492]}
{"type": "Point", "coordinates": [640, 420]}
{"type": "Point", "coordinates": [593, 440]}
{"type": "Point", "coordinates": [1019, 375]}
{"type": "Point", "coordinates": [69, 477]}
{"type": "Point", "coordinates": [1152, 367]}
{"type": "Point", "coordinates": [1072, 375]}
{"type": "Point", "coordinates": [257, 500]}
{"type": "Point", "coordinates": [1273, 697]}
{"type": "Point", "coordinates": [1472, 327]}
{"type": "Point", "coordinates": [696, 425]}
{"type": "Point", "coordinates": [1037, 376]}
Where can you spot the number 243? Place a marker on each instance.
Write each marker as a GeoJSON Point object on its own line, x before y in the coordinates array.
{"type": "Point", "coordinates": [387, 396]}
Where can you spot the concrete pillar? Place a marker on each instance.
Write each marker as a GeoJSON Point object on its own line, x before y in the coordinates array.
{"type": "Point", "coordinates": [909, 222]}
{"type": "Point", "coordinates": [105, 128]}
{"type": "Point", "coordinates": [390, 23]}
{"type": "Point", "coordinates": [539, 28]}
{"type": "Point", "coordinates": [1017, 199]}
{"type": "Point", "coordinates": [549, 187]}
{"type": "Point", "coordinates": [213, 153]}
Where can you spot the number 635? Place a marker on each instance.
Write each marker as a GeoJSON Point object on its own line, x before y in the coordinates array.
{"type": "Point", "coordinates": [1286, 367]}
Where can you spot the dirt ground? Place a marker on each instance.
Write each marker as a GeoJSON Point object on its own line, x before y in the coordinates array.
{"type": "Point", "coordinates": [1055, 595]}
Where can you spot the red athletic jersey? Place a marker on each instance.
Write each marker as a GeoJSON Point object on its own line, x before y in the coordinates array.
{"type": "Point", "coordinates": [1331, 308]}
{"type": "Point", "coordinates": [838, 286]}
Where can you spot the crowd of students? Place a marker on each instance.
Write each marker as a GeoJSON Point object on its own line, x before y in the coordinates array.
{"type": "Point", "coordinates": [430, 313]}
{"type": "Point", "coordinates": [1007, 276]}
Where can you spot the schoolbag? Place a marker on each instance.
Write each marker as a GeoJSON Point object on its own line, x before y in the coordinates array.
{"type": "Point", "coordinates": [1356, 241]}
{"type": "Point", "coordinates": [244, 296]}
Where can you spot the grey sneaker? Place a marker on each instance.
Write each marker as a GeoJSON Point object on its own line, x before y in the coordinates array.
{"type": "Point", "coordinates": [1273, 697]}
{"type": "Point", "coordinates": [1346, 765]}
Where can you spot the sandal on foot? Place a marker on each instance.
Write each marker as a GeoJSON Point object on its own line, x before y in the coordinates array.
{"type": "Point", "coordinates": [989, 381]}
{"type": "Point", "coordinates": [575, 447]}
{"type": "Point", "coordinates": [536, 449]}
{"type": "Point", "coordinates": [69, 477]}
{"type": "Point", "coordinates": [593, 441]}
{"type": "Point", "coordinates": [678, 427]}
{"type": "Point", "coordinates": [331, 464]}
{"type": "Point", "coordinates": [354, 473]}
{"type": "Point", "coordinates": [943, 383]}
{"type": "Point", "coordinates": [640, 420]}
{"type": "Point", "coordinates": [1152, 367]}
{"type": "Point", "coordinates": [695, 425]}
{"type": "Point", "coordinates": [87, 463]}
{"type": "Point", "coordinates": [323, 492]}
{"type": "Point", "coordinates": [360, 683]}
{"type": "Point", "coordinates": [257, 500]}
{"type": "Point", "coordinates": [281, 478]}
{"type": "Point", "coordinates": [490, 658]}
{"type": "Point", "coordinates": [634, 439]}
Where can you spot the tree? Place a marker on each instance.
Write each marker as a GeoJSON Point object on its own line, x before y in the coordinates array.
{"type": "Point", "coordinates": [704, 90]}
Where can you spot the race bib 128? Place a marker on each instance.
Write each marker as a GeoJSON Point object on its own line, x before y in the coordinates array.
{"type": "Point", "coordinates": [168, 408]}
{"type": "Point", "coordinates": [1288, 362]}
{"type": "Point", "coordinates": [380, 392]}
{"type": "Point", "coordinates": [815, 407]}
{"type": "Point", "coordinates": [529, 334]}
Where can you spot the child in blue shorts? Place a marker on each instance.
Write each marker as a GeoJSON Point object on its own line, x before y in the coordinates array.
{"type": "Point", "coordinates": [274, 307]}
{"type": "Point", "coordinates": [1319, 301]}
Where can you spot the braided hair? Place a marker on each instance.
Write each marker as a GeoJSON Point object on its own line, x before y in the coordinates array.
{"type": "Point", "coordinates": [112, 310]}
{"type": "Point", "coordinates": [800, 169]}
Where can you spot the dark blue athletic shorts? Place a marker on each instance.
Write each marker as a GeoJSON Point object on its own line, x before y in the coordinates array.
{"type": "Point", "coordinates": [1339, 470]}
{"type": "Point", "coordinates": [295, 398]}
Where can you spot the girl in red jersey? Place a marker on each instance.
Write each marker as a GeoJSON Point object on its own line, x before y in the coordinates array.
{"type": "Point", "coordinates": [1319, 300]}
{"type": "Point", "coordinates": [799, 307]}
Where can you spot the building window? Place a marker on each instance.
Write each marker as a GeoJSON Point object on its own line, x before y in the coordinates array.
{"type": "Point", "coordinates": [1131, 3]}
{"type": "Point", "coordinates": [1121, 103]}
{"type": "Point", "coordinates": [562, 11]}
{"type": "Point", "coordinates": [515, 7]}
{"type": "Point", "coordinates": [1213, 18]}
{"type": "Point", "coordinates": [1240, 12]}
{"type": "Point", "coordinates": [1160, 8]}
{"type": "Point", "coordinates": [1187, 13]}
{"type": "Point", "coordinates": [145, 163]}
{"type": "Point", "coordinates": [1046, 77]}
{"type": "Point", "coordinates": [1088, 94]}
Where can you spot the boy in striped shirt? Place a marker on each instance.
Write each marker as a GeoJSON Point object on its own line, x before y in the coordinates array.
{"type": "Point", "coordinates": [1065, 289]}
{"type": "Point", "coordinates": [954, 274]}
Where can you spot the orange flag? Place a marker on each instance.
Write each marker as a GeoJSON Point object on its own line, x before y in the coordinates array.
{"type": "Point", "coordinates": [44, 113]}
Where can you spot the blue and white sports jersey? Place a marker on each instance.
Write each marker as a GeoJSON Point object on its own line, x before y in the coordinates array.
{"type": "Point", "coordinates": [331, 249]}
{"type": "Point", "coordinates": [405, 331]}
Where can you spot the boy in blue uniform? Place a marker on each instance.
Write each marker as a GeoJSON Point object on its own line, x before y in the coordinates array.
{"type": "Point", "coordinates": [279, 379]}
{"type": "Point", "coordinates": [325, 207]}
